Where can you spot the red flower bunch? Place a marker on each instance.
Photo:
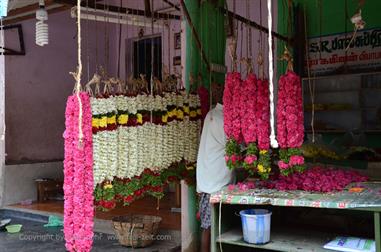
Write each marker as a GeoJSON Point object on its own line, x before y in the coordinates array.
{"type": "Point", "coordinates": [290, 128]}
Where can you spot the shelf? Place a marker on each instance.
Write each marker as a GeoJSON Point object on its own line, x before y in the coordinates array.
{"type": "Point", "coordinates": [282, 240]}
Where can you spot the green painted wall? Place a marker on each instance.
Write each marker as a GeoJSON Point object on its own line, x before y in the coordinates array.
{"type": "Point", "coordinates": [328, 17]}
{"type": "Point", "coordinates": [209, 24]}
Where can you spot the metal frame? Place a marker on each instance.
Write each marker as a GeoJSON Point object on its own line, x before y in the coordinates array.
{"type": "Point", "coordinates": [9, 51]}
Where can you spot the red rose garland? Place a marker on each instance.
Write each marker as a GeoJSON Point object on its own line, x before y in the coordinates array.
{"type": "Point", "coordinates": [263, 128]}
{"type": "Point", "coordinates": [232, 120]}
{"type": "Point", "coordinates": [78, 180]}
{"type": "Point", "coordinates": [249, 121]}
{"type": "Point", "coordinates": [290, 128]}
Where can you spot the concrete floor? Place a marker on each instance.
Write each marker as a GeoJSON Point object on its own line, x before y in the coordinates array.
{"type": "Point", "coordinates": [34, 237]}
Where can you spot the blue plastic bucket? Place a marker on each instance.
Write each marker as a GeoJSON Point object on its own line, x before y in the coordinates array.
{"type": "Point", "coordinates": [256, 225]}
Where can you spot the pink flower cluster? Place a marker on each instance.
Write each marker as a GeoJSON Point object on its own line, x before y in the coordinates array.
{"type": "Point", "coordinates": [250, 159]}
{"type": "Point", "coordinates": [248, 109]}
{"type": "Point", "coordinates": [231, 99]}
{"type": "Point", "coordinates": [316, 179]}
{"type": "Point", "coordinates": [233, 158]}
{"type": "Point", "coordinates": [263, 115]}
{"type": "Point", "coordinates": [290, 128]}
{"type": "Point", "coordinates": [78, 177]}
{"type": "Point", "coordinates": [296, 160]}
{"type": "Point", "coordinates": [241, 186]}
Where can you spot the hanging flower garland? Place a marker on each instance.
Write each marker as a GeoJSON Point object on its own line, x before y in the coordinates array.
{"type": "Point", "coordinates": [249, 122]}
{"type": "Point", "coordinates": [263, 128]}
{"type": "Point", "coordinates": [78, 176]}
{"type": "Point", "coordinates": [232, 121]}
{"type": "Point", "coordinates": [152, 134]}
{"type": "Point", "coordinates": [290, 126]}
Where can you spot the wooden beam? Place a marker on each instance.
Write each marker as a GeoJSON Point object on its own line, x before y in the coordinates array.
{"type": "Point", "coordinates": [11, 20]}
{"type": "Point", "coordinates": [171, 4]}
{"type": "Point", "coordinates": [118, 9]}
{"type": "Point", "coordinates": [255, 25]}
{"type": "Point", "coordinates": [28, 8]}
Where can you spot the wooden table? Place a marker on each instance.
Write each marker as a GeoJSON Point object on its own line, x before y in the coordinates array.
{"type": "Point", "coordinates": [287, 238]}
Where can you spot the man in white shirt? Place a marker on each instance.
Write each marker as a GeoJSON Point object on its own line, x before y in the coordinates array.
{"type": "Point", "coordinates": [212, 173]}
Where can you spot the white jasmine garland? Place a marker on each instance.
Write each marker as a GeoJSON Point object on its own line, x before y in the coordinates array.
{"type": "Point", "coordinates": [112, 153]}
{"type": "Point", "coordinates": [123, 152]}
{"type": "Point", "coordinates": [127, 151]}
{"type": "Point", "coordinates": [132, 151]}
{"type": "Point", "coordinates": [131, 105]}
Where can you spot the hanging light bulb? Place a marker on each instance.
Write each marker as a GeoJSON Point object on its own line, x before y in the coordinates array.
{"type": "Point", "coordinates": [42, 35]}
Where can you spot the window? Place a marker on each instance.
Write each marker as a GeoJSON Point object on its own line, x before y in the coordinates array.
{"type": "Point", "coordinates": [143, 55]}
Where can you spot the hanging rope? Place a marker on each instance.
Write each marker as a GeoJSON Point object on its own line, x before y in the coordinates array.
{"type": "Point", "coordinates": [273, 140]}
{"type": "Point", "coordinates": [78, 74]}
{"type": "Point", "coordinates": [311, 86]}
{"type": "Point", "coordinates": [261, 74]}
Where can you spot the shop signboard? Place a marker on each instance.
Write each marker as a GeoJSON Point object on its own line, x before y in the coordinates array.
{"type": "Point", "coordinates": [331, 54]}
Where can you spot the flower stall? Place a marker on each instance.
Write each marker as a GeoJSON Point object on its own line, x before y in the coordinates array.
{"type": "Point", "coordinates": [267, 140]}
{"type": "Point", "coordinates": [299, 82]}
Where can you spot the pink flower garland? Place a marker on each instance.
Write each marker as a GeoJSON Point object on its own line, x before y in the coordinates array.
{"type": "Point", "coordinates": [248, 109]}
{"type": "Point", "coordinates": [232, 119]}
{"type": "Point", "coordinates": [248, 121]}
{"type": "Point", "coordinates": [290, 112]}
{"type": "Point", "coordinates": [228, 105]}
{"type": "Point", "coordinates": [78, 180]}
{"type": "Point", "coordinates": [263, 115]}
{"type": "Point", "coordinates": [290, 128]}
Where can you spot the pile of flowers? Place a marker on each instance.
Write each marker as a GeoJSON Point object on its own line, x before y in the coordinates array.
{"type": "Point", "coordinates": [78, 176]}
{"type": "Point", "coordinates": [134, 133]}
{"type": "Point", "coordinates": [290, 128]}
{"type": "Point", "coordinates": [317, 179]}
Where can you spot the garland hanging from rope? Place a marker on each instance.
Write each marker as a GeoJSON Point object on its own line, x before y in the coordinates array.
{"type": "Point", "coordinates": [78, 173]}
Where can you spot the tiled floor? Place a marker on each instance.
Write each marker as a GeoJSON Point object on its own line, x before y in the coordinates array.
{"type": "Point", "coordinates": [146, 205]}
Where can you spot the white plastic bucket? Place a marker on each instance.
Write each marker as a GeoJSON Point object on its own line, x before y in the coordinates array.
{"type": "Point", "coordinates": [256, 225]}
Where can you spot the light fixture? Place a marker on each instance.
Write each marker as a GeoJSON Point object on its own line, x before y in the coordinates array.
{"type": "Point", "coordinates": [42, 35]}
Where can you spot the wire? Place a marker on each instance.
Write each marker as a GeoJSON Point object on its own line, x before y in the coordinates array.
{"type": "Point", "coordinates": [120, 39]}
{"type": "Point", "coordinates": [87, 43]}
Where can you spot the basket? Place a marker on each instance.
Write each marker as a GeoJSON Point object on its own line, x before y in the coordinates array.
{"type": "Point", "coordinates": [136, 231]}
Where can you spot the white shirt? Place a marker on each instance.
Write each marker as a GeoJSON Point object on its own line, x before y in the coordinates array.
{"type": "Point", "coordinates": [212, 173]}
